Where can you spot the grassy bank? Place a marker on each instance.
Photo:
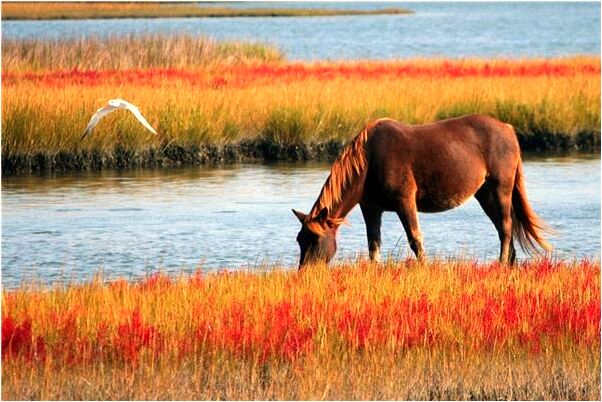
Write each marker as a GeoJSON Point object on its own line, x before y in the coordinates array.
{"type": "Point", "coordinates": [130, 53]}
{"type": "Point", "coordinates": [58, 10]}
{"type": "Point", "coordinates": [212, 105]}
{"type": "Point", "coordinates": [443, 330]}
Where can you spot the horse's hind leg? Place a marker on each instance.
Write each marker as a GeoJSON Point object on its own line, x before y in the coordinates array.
{"type": "Point", "coordinates": [372, 218]}
{"type": "Point", "coordinates": [496, 205]}
{"type": "Point", "coordinates": [408, 214]}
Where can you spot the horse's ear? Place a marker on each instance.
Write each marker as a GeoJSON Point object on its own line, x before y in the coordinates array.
{"type": "Point", "coordinates": [300, 215]}
{"type": "Point", "coordinates": [323, 215]}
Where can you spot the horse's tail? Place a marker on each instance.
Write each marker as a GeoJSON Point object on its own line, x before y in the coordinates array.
{"type": "Point", "coordinates": [527, 227]}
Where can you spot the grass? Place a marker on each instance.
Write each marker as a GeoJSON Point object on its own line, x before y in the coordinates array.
{"type": "Point", "coordinates": [58, 10]}
{"type": "Point", "coordinates": [129, 53]}
{"type": "Point", "coordinates": [219, 101]}
{"type": "Point", "coordinates": [442, 330]}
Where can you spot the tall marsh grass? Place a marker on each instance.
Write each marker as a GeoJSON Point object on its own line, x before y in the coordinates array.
{"type": "Point", "coordinates": [198, 93]}
{"type": "Point", "coordinates": [401, 330]}
{"type": "Point", "coordinates": [289, 110]}
{"type": "Point", "coordinates": [130, 53]}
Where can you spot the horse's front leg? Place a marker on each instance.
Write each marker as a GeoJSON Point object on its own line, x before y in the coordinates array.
{"type": "Point", "coordinates": [408, 214]}
{"type": "Point", "coordinates": [372, 218]}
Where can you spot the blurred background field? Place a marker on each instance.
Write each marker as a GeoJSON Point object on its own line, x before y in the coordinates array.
{"type": "Point", "coordinates": [73, 10]}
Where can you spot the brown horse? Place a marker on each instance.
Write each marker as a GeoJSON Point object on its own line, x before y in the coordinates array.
{"type": "Point", "coordinates": [434, 167]}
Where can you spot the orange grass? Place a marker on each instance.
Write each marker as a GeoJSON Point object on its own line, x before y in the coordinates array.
{"type": "Point", "coordinates": [443, 330]}
{"type": "Point", "coordinates": [293, 103]}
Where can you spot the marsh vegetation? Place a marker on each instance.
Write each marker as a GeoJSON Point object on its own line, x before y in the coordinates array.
{"type": "Point", "coordinates": [443, 330]}
{"type": "Point", "coordinates": [218, 102]}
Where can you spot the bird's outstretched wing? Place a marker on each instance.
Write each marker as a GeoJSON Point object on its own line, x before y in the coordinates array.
{"type": "Point", "coordinates": [113, 105]}
{"type": "Point", "coordinates": [100, 113]}
{"type": "Point", "coordinates": [134, 109]}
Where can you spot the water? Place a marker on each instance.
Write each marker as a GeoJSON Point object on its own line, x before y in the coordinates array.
{"type": "Point", "coordinates": [447, 29]}
{"type": "Point", "coordinates": [130, 223]}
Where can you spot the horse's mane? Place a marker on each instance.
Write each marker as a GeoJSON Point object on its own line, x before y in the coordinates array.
{"type": "Point", "coordinates": [347, 167]}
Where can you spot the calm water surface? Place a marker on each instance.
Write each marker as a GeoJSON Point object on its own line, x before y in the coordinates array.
{"type": "Point", "coordinates": [516, 29]}
{"type": "Point", "coordinates": [130, 223]}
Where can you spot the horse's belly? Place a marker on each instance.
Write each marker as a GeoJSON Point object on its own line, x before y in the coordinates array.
{"type": "Point", "coordinates": [441, 204]}
{"type": "Point", "coordinates": [442, 195]}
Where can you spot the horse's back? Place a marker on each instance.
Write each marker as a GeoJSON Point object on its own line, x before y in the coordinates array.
{"type": "Point", "coordinates": [471, 136]}
{"type": "Point", "coordinates": [444, 162]}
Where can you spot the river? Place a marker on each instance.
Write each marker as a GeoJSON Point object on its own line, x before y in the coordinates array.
{"type": "Point", "coordinates": [129, 223]}
{"type": "Point", "coordinates": [436, 29]}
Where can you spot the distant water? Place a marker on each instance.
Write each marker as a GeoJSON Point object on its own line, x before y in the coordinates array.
{"type": "Point", "coordinates": [514, 29]}
{"type": "Point", "coordinates": [129, 223]}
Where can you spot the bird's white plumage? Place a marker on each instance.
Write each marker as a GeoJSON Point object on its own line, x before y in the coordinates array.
{"type": "Point", "coordinates": [113, 105]}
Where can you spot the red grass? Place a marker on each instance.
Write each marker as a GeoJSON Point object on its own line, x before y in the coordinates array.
{"type": "Point", "coordinates": [266, 74]}
{"type": "Point", "coordinates": [133, 336]}
{"type": "Point", "coordinates": [476, 318]}
{"type": "Point", "coordinates": [18, 341]}
{"type": "Point", "coordinates": [277, 333]}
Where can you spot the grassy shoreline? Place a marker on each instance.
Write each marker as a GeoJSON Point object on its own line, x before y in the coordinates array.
{"type": "Point", "coordinates": [400, 330]}
{"type": "Point", "coordinates": [216, 102]}
{"type": "Point", "coordinates": [260, 150]}
{"type": "Point", "coordinates": [100, 10]}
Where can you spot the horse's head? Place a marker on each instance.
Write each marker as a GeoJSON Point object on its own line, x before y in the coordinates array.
{"type": "Point", "coordinates": [318, 237]}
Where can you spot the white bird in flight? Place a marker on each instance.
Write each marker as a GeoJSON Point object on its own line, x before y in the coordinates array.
{"type": "Point", "coordinates": [113, 105]}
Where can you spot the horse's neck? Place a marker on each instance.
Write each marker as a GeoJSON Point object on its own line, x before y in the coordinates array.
{"type": "Point", "coordinates": [350, 196]}
{"type": "Point", "coordinates": [342, 208]}
{"type": "Point", "coordinates": [343, 188]}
